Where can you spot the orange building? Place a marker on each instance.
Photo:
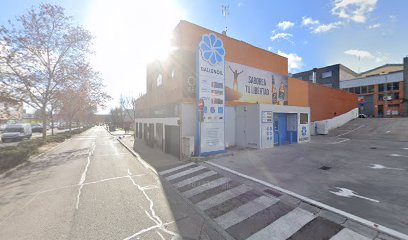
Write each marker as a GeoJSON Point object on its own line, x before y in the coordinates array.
{"type": "Point", "coordinates": [204, 90]}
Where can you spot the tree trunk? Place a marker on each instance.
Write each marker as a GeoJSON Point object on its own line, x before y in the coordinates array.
{"type": "Point", "coordinates": [44, 123]}
{"type": "Point", "coordinates": [52, 123]}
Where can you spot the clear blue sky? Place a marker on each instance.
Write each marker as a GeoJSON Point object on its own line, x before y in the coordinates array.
{"type": "Point", "coordinates": [360, 34]}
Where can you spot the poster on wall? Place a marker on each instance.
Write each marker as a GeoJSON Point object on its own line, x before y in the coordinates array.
{"type": "Point", "coordinates": [210, 95]}
{"type": "Point", "coordinates": [245, 84]}
{"type": "Point", "coordinates": [303, 129]}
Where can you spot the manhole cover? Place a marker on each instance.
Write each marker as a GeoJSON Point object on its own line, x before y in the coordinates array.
{"type": "Point", "coordinates": [373, 147]}
{"type": "Point", "coordinates": [324, 168]}
{"type": "Point", "coordinates": [273, 193]}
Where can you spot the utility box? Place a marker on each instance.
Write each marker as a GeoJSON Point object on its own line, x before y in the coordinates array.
{"type": "Point", "coordinates": [188, 147]}
{"type": "Point", "coordinates": [266, 125]}
{"type": "Point", "coordinates": [322, 127]}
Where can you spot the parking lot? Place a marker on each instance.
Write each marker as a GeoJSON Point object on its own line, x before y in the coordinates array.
{"type": "Point", "coordinates": [360, 168]}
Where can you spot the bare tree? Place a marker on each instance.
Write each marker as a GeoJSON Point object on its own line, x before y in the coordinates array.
{"type": "Point", "coordinates": [41, 53]}
{"type": "Point", "coordinates": [128, 104]}
{"type": "Point", "coordinates": [78, 102]}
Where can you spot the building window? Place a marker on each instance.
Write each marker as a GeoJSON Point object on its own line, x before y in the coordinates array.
{"type": "Point", "coordinates": [328, 85]}
{"type": "Point", "coordinates": [300, 78]}
{"type": "Point", "coordinates": [159, 80]}
{"type": "Point", "coordinates": [381, 87]}
{"type": "Point", "coordinates": [357, 90]}
{"type": "Point", "coordinates": [380, 97]}
{"type": "Point", "coordinates": [395, 96]}
{"type": "Point", "coordinates": [304, 118]}
{"type": "Point", "coordinates": [311, 77]}
{"type": "Point", "coordinates": [395, 86]}
{"type": "Point", "coordinates": [351, 90]}
{"type": "Point", "coordinates": [327, 74]}
{"type": "Point", "coordinates": [389, 86]}
{"type": "Point", "coordinates": [364, 89]}
{"type": "Point", "coordinates": [370, 89]}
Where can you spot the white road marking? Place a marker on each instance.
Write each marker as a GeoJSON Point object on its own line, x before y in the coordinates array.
{"type": "Point", "coordinates": [194, 179]}
{"type": "Point", "coordinates": [176, 168]}
{"type": "Point", "coordinates": [352, 130]}
{"type": "Point", "coordinates": [379, 166]}
{"type": "Point", "coordinates": [344, 192]}
{"type": "Point", "coordinates": [397, 155]}
{"type": "Point", "coordinates": [152, 215]}
{"type": "Point", "coordinates": [387, 131]}
{"type": "Point", "coordinates": [363, 221]}
{"type": "Point", "coordinates": [183, 173]}
{"type": "Point", "coordinates": [406, 148]}
{"type": "Point", "coordinates": [347, 234]}
{"type": "Point", "coordinates": [285, 226]}
{"type": "Point", "coordinates": [207, 186]}
{"type": "Point", "coordinates": [83, 176]}
{"type": "Point", "coordinates": [341, 141]}
{"type": "Point", "coordinates": [245, 211]}
{"type": "Point", "coordinates": [222, 197]}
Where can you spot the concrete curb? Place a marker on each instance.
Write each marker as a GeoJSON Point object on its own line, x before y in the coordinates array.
{"type": "Point", "coordinates": [372, 225]}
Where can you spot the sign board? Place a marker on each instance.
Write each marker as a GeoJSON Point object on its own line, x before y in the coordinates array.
{"type": "Point", "coordinates": [244, 84]}
{"type": "Point", "coordinates": [266, 117]}
{"type": "Point", "coordinates": [210, 94]}
{"type": "Point", "coordinates": [304, 128]}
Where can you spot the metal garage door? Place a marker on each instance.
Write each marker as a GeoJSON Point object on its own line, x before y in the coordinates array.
{"type": "Point", "coordinates": [172, 140]}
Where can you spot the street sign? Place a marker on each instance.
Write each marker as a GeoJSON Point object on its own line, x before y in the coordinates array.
{"type": "Point", "coordinates": [387, 98]}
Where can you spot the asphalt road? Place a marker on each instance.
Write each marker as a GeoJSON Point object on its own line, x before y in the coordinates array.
{"type": "Point", "coordinates": [360, 168]}
{"type": "Point", "coordinates": [91, 187]}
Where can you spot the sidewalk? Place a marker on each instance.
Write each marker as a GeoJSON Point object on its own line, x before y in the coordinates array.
{"type": "Point", "coordinates": [154, 156]}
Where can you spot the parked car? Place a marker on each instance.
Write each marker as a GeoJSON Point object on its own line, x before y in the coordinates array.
{"type": "Point", "coordinates": [36, 127]}
{"type": "Point", "coordinates": [2, 127]}
{"type": "Point", "coordinates": [362, 115]}
{"type": "Point", "coordinates": [16, 132]}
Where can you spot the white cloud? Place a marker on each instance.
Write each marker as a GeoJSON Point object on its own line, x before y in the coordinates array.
{"type": "Point", "coordinates": [359, 53]}
{"type": "Point", "coordinates": [309, 21]}
{"type": "Point", "coordinates": [294, 61]}
{"type": "Point", "coordinates": [278, 36]}
{"type": "Point", "coordinates": [377, 25]}
{"type": "Point", "coordinates": [285, 25]}
{"type": "Point", "coordinates": [270, 49]}
{"type": "Point", "coordinates": [327, 27]}
{"type": "Point", "coordinates": [354, 10]}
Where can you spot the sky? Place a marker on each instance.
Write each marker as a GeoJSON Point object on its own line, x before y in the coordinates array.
{"type": "Point", "coordinates": [360, 34]}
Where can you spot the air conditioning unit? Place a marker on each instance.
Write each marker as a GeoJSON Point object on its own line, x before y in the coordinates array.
{"type": "Point", "coordinates": [322, 127]}
{"type": "Point", "coordinates": [188, 147]}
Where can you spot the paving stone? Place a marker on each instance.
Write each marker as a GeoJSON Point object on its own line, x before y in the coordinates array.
{"type": "Point", "coordinates": [361, 229]}
{"type": "Point", "coordinates": [310, 208]}
{"type": "Point", "coordinates": [334, 217]}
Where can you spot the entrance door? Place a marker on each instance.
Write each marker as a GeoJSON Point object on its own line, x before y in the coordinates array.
{"type": "Point", "coordinates": [280, 128]}
{"type": "Point", "coordinates": [172, 140]}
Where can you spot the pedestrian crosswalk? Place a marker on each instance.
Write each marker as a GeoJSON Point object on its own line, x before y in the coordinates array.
{"type": "Point", "coordinates": [245, 213]}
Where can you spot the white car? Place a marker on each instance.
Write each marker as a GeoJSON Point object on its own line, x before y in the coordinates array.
{"type": "Point", "coordinates": [16, 132]}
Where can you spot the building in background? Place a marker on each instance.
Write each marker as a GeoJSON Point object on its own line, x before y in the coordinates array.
{"type": "Point", "coordinates": [381, 90]}
{"type": "Point", "coordinates": [215, 92]}
{"type": "Point", "coordinates": [10, 110]}
{"type": "Point", "coordinates": [329, 76]}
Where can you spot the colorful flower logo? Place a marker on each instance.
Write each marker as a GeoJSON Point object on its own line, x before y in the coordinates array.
{"type": "Point", "coordinates": [212, 49]}
{"type": "Point", "coordinates": [304, 130]}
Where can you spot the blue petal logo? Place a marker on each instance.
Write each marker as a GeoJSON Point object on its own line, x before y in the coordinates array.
{"type": "Point", "coordinates": [212, 49]}
{"type": "Point", "coordinates": [304, 131]}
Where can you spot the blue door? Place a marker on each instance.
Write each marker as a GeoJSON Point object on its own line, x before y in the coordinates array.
{"type": "Point", "coordinates": [280, 128]}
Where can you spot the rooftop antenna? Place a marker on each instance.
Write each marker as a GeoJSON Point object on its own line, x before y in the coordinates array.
{"type": "Point", "coordinates": [225, 13]}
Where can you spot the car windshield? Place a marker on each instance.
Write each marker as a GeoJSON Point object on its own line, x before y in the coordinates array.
{"type": "Point", "coordinates": [9, 130]}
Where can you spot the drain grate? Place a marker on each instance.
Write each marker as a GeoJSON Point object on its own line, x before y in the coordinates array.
{"type": "Point", "coordinates": [373, 147]}
{"type": "Point", "coordinates": [324, 168]}
{"type": "Point", "coordinates": [273, 193]}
